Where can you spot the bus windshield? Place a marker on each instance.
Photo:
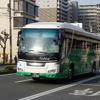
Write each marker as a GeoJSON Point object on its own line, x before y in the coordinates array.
{"type": "Point", "coordinates": [39, 41]}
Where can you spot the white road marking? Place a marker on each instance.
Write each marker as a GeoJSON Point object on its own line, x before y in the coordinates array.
{"type": "Point", "coordinates": [23, 81]}
{"type": "Point", "coordinates": [82, 92]}
{"type": "Point", "coordinates": [46, 92]}
{"type": "Point", "coordinates": [7, 74]}
{"type": "Point", "coordinates": [95, 94]}
{"type": "Point", "coordinates": [56, 89]}
{"type": "Point", "coordinates": [90, 84]}
{"type": "Point", "coordinates": [86, 92]}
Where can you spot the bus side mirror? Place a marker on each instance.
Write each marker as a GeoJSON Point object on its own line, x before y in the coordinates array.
{"type": "Point", "coordinates": [57, 42]}
{"type": "Point", "coordinates": [19, 33]}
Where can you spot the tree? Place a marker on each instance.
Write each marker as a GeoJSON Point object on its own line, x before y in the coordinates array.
{"type": "Point", "coordinates": [3, 39]}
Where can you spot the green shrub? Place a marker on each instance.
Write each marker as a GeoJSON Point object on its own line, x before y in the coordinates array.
{"type": "Point", "coordinates": [3, 70]}
{"type": "Point", "coordinates": [9, 68]}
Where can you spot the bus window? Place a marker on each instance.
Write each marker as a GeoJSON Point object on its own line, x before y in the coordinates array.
{"type": "Point", "coordinates": [79, 44]}
{"type": "Point", "coordinates": [63, 48]}
{"type": "Point", "coordinates": [93, 46]}
{"type": "Point", "coordinates": [96, 45]}
{"type": "Point", "coordinates": [69, 45]}
{"type": "Point", "coordinates": [66, 47]}
{"type": "Point", "coordinates": [84, 46]}
{"type": "Point", "coordinates": [89, 45]}
{"type": "Point", "coordinates": [74, 43]}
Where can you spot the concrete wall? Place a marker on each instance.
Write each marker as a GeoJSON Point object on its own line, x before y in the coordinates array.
{"type": "Point", "coordinates": [4, 25]}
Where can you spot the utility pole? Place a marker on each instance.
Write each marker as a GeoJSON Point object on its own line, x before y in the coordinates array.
{"type": "Point", "coordinates": [10, 30]}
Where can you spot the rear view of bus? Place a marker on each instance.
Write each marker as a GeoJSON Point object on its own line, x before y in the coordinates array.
{"type": "Point", "coordinates": [38, 52]}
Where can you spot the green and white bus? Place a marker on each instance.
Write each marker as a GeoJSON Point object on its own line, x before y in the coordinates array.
{"type": "Point", "coordinates": [56, 50]}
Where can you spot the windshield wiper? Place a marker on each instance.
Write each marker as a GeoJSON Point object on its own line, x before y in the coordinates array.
{"type": "Point", "coordinates": [23, 53]}
{"type": "Point", "coordinates": [30, 50]}
{"type": "Point", "coordinates": [37, 51]}
{"type": "Point", "coordinates": [42, 52]}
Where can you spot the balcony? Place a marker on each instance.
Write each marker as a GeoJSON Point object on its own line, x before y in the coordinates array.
{"type": "Point", "coordinates": [26, 8]}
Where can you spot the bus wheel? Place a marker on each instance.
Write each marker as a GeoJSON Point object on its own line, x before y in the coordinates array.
{"type": "Point", "coordinates": [70, 73]}
{"type": "Point", "coordinates": [93, 68]}
{"type": "Point", "coordinates": [36, 79]}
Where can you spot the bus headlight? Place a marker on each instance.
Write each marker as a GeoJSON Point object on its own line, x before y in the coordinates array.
{"type": "Point", "coordinates": [20, 66]}
{"type": "Point", "coordinates": [53, 68]}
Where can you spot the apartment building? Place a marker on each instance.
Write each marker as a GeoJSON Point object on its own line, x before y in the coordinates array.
{"type": "Point", "coordinates": [25, 12]}
{"type": "Point", "coordinates": [74, 11]}
{"type": "Point", "coordinates": [22, 12]}
{"type": "Point", "coordinates": [54, 10]}
{"type": "Point", "coordinates": [89, 15]}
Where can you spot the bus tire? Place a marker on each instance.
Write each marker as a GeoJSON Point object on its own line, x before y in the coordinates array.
{"type": "Point", "coordinates": [35, 79]}
{"type": "Point", "coordinates": [71, 72]}
{"type": "Point", "coordinates": [93, 68]}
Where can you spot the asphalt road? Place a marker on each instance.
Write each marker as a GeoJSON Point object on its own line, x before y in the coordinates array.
{"type": "Point", "coordinates": [85, 87]}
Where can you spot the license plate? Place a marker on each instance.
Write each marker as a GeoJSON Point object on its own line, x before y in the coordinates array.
{"type": "Point", "coordinates": [35, 75]}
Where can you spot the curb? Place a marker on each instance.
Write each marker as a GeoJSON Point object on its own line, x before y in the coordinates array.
{"type": "Point", "coordinates": [7, 64]}
{"type": "Point", "coordinates": [7, 72]}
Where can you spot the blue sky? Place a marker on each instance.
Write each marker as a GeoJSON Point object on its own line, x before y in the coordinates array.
{"type": "Point", "coordinates": [80, 2]}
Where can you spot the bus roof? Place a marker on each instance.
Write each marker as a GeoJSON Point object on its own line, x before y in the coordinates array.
{"type": "Point", "coordinates": [59, 25]}
{"type": "Point", "coordinates": [52, 25]}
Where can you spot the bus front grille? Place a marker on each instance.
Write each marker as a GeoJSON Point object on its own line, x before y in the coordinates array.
{"type": "Point", "coordinates": [35, 64]}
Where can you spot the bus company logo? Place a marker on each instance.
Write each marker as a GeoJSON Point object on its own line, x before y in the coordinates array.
{"type": "Point", "coordinates": [44, 58]}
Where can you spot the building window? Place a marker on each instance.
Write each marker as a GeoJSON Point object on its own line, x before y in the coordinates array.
{"type": "Point", "coordinates": [18, 22]}
{"type": "Point", "coordinates": [29, 8]}
{"type": "Point", "coordinates": [21, 21]}
{"type": "Point", "coordinates": [26, 7]}
{"type": "Point", "coordinates": [36, 11]}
